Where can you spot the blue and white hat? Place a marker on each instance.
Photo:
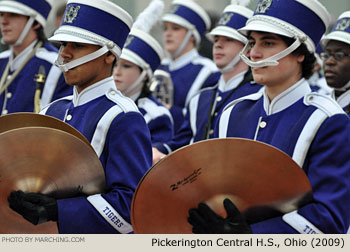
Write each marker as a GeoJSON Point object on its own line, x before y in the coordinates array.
{"type": "Point", "coordinates": [190, 15]}
{"type": "Point", "coordinates": [97, 22]}
{"type": "Point", "coordinates": [38, 9]}
{"type": "Point", "coordinates": [233, 18]}
{"type": "Point", "coordinates": [340, 31]}
{"type": "Point", "coordinates": [143, 50]}
{"type": "Point", "coordinates": [304, 20]}
{"type": "Point", "coordinates": [140, 47]}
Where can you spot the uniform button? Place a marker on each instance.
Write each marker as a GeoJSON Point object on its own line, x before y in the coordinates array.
{"type": "Point", "coordinates": [219, 98]}
{"type": "Point", "coordinates": [8, 77]}
{"type": "Point", "coordinates": [8, 95]}
{"type": "Point", "coordinates": [69, 117]}
{"type": "Point", "coordinates": [112, 92]}
{"type": "Point", "coordinates": [5, 111]}
{"type": "Point", "coordinates": [262, 124]}
{"type": "Point", "coordinates": [216, 114]}
{"type": "Point", "coordinates": [211, 132]}
{"type": "Point", "coordinates": [311, 98]}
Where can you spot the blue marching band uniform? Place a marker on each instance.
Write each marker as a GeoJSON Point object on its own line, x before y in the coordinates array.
{"type": "Point", "coordinates": [191, 71]}
{"type": "Point", "coordinates": [111, 122]}
{"type": "Point", "coordinates": [311, 128]}
{"type": "Point", "coordinates": [19, 95]}
{"type": "Point", "coordinates": [144, 51]}
{"type": "Point", "coordinates": [314, 131]}
{"type": "Point", "coordinates": [341, 33]}
{"type": "Point", "coordinates": [120, 137]}
{"type": "Point", "coordinates": [206, 105]}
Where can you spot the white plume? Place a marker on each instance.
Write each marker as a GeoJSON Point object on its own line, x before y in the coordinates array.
{"type": "Point", "coordinates": [149, 16]}
{"type": "Point", "coordinates": [244, 3]}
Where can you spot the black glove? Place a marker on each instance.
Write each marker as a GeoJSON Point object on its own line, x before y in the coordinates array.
{"type": "Point", "coordinates": [34, 207]}
{"type": "Point", "coordinates": [206, 221]}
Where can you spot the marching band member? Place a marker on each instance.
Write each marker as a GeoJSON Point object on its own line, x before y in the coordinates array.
{"type": "Point", "coordinates": [336, 57]}
{"type": "Point", "coordinates": [309, 127]}
{"type": "Point", "coordinates": [110, 121]}
{"type": "Point", "coordinates": [22, 25]}
{"type": "Point", "coordinates": [184, 25]}
{"type": "Point", "coordinates": [133, 73]}
{"type": "Point", "coordinates": [235, 81]}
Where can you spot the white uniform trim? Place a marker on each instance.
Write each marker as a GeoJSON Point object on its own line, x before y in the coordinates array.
{"type": "Point", "coordinates": [50, 85]}
{"type": "Point", "coordinates": [99, 137]}
{"type": "Point", "coordinates": [225, 116]}
{"type": "Point", "coordinates": [300, 224]}
{"type": "Point", "coordinates": [168, 148]}
{"type": "Point", "coordinates": [326, 107]}
{"type": "Point", "coordinates": [307, 136]}
{"type": "Point", "coordinates": [153, 110]}
{"type": "Point", "coordinates": [193, 116]}
{"type": "Point", "coordinates": [198, 82]}
{"type": "Point", "coordinates": [324, 103]}
{"type": "Point", "coordinates": [223, 123]}
{"type": "Point", "coordinates": [110, 214]}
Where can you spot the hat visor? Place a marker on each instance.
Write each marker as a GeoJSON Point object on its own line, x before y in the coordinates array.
{"type": "Point", "coordinates": [260, 26]}
{"type": "Point", "coordinates": [12, 10]}
{"type": "Point", "coordinates": [226, 32]}
{"type": "Point", "coordinates": [338, 36]}
{"type": "Point", "coordinates": [61, 37]}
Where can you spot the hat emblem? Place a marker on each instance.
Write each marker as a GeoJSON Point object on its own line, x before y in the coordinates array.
{"type": "Point", "coordinates": [71, 14]}
{"type": "Point", "coordinates": [263, 6]}
{"type": "Point", "coordinates": [225, 18]}
{"type": "Point", "coordinates": [343, 25]}
{"type": "Point", "coordinates": [128, 41]}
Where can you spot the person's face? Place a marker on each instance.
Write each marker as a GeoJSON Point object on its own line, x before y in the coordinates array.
{"type": "Point", "coordinates": [125, 73]}
{"type": "Point", "coordinates": [265, 45]}
{"type": "Point", "coordinates": [173, 36]}
{"type": "Point", "coordinates": [337, 72]}
{"type": "Point", "coordinates": [225, 49]}
{"type": "Point", "coordinates": [89, 73]}
{"type": "Point", "coordinates": [11, 25]}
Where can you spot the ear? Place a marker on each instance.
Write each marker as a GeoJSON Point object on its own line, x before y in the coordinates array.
{"type": "Point", "coordinates": [110, 57]}
{"type": "Point", "coordinates": [300, 58]}
{"type": "Point", "coordinates": [37, 26]}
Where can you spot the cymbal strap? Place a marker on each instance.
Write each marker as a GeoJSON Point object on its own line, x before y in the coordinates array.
{"type": "Point", "coordinates": [4, 86]}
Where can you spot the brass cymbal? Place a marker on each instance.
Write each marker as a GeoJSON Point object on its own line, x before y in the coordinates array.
{"type": "Point", "coordinates": [24, 119]}
{"type": "Point", "coordinates": [261, 180]}
{"type": "Point", "coordinates": [46, 160]}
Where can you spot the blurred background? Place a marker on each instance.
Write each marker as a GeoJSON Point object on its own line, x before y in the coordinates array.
{"type": "Point", "coordinates": [213, 7]}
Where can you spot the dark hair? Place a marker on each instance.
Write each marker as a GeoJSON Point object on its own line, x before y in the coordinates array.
{"type": "Point", "coordinates": [309, 60]}
{"type": "Point", "coordinates": [145, 92]}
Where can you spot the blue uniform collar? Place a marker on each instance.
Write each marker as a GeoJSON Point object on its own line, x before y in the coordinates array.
{"type": "Point", "coordinates": [94, 91]}
{"type": "Point", "coordinates": [183, 60]}
{"type": "Point", "coordinates": [344, 99]}
{"type": "Point", "coordinates": [232, 83]}
{"type": "Point", "coordinates": [16, 62]}
{"type": "Point", "coordinates": [286, 98]}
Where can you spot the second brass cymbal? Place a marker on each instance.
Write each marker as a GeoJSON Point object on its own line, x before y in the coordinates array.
{"type": "Point", "coordinates": [254, 175]}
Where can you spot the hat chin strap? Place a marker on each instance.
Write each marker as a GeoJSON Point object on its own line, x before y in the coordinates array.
{"type": "Point", "coordinates": [80, 61]}
{"type": "Point", "coordinates": [25, 31]}
{"type": "Point", "coordinates": [136, 84]}
{"type": "Point", "coordinates": [229, 67]}
{"type": "Point", "coordinates": [273, 60]}
{"type": "Point", "coordinates": [183, 44]}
